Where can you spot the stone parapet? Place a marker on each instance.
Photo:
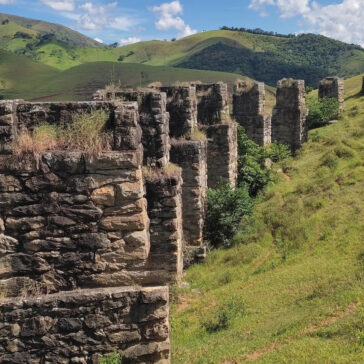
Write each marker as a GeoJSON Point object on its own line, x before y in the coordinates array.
{"type": "Point", "coordinates": [289, 115]}
{"type": "Point", "coordinates": [191, 156]}
{"type": "Point", "coordinates": [222, 153]}
{"type": "Point", "coordinates": [182, 108]}
{"type": "Point", "coordinates": [212, 103]}
{"type": "Point", "coordinates": [82, 326]}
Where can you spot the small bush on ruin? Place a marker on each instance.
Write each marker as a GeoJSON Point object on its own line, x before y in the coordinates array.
{"type": "Point", "coordinates": [198, 134]}
{"type": "Point", "coordinates": [321, 111]}
{"type": "Point", "coordinates": [86, 134]}
{"type": "Point", "coordinates": [225, 209]}
{"type": "Point", "coordinates": [155, 174]}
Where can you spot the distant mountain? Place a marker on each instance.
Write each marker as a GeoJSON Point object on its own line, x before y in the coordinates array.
{"type": "Point", "coordinates": [42, 28]}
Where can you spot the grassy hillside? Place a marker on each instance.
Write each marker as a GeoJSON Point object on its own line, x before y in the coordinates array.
{"type": "Point", "coordinates": [262, 57]}
{"type": "Point", "coordinates": [60, 32]}
{"type": "Point", "coordinates": [19, 73]}
{"type": "Point", "coordinates": [292, 289]}
{"type": "Point", "coordinates": [80, 82]}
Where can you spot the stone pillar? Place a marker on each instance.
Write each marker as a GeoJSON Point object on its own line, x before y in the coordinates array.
{"type": "Point", "coordinates": [182, 108]}
{"type": "Point", "coordinates": [222, 153]}
{"type": "Point", "coordinates": [83, 326]}
{"type": "Point", "coordinates": [289, 114]}
{"type": "Point", "coordinates": [362, 87]}
{"type": "Point", "coordinates": [191, 156]}
{"type": "Point", "coordinates": [248, 106]}
{"type": "Point", "coordinates": [333, 87]}
{"type": "Point", "coordinates": [212, 103]}
{"type": "Point", "coordinates": [164, 196]}
{"type": "Point", "coordinates": [154, 121]}
{"type": "Point", "coordinates": [8, 125]}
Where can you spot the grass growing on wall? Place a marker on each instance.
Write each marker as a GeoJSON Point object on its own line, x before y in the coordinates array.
{"type": "Point", "coordinates": [291, 288]}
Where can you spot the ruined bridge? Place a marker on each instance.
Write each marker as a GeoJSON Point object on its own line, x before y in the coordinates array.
{"type": "Point", "coordinates": [88, 245]}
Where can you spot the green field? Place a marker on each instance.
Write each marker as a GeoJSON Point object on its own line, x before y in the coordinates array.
{"type": "Point", "coordinates": [293, 285]}
{"type": "Point", "coordinates": [262, 57]}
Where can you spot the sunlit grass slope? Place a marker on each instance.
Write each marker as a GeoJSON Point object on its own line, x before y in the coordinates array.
{"type": "Point", "coordinates": [80, 82]}
{"type": "Point", "coordinates": [292, 289]}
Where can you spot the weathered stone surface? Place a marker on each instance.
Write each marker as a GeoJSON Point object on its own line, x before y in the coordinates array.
{"type": "Point", "coordinates": [104, 196]}
{"type": "Point", "coordinates": [212, 103]}
{"type": "Point", "coordinates": [191, 156]}
{"type": "Point", "coordinates": [289, 115]}
{"type": "Point", "coordinates": [182, 108]}
{"type": "Point", "coordinates": [77, 327]}
{"type": "Point", "coordinates": [333, 87]}
{"type": "Point", "coordinates": [222, 153]}
{"type": "Point", "coordinates": [248, 106]}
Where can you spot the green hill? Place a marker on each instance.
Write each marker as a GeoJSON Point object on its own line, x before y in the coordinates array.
{"type": "Point", "coordinates": [291, 290]}
{"type": "Point", "coordinates": [60, 32]}
{"type": "Point", "coordinates": [262, 57]}
{"type": "Point", "coordinates": [80, 82]}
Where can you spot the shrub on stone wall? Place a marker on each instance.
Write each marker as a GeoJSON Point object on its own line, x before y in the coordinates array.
{"type": "Point", "coordinates": [225, 209]}
{"type": "Point", "coordinates": [321, 111]}
{"type": "Point", "coordinates": [87, 133]}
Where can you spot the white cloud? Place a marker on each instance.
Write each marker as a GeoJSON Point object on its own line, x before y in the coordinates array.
{"type": "Point", "coordinates": [127, 41]}
{"type": "Point", "coordinates": [168, 18]}
{"type": "Point", "coordinates": [6, 2]}
{"type": "Point", "coordinates": [60, 5]}
{"type": "Point", "coordinates": [99, 40]}
{"type": "Point", "coordinates": [342, 21]}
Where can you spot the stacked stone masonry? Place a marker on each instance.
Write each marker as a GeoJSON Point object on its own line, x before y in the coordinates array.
{"type": "Point", "coordinates": [333, 87]}
{"type": "Point", "coordinates": [212, 103]}
{"type": "Point", "coordinates": [164, 196]}
{"type": "Point", "coordinates": [289, 114]}
{"type": "Point", "coordinates": [248, 106]}
{"type": "Point", "coordinates": [182, 108]}
{"type": "Point", "coordinates": [82, 326]}
{"type": "Point", "coordinates": [75, 223]}
{"type": "Point", "coordinates": [222, 153]}
{"type": "Point", "coordinates": [191, 156]}
{"type": "Point", "coordinates": [153, 119]}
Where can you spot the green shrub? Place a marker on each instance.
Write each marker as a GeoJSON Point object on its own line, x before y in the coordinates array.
{"type": "Point", "coordinates": [277, 152]}
{"type": "Point", "coordinates": [321, 111]}
{"type": "Point", "coordinates": [113, 358]}
{"type": "Point", "coordinates": [221, 317]}
{"type": "Point", "coordinates": [225, 209]}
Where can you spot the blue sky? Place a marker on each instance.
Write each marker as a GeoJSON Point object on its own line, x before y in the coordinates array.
{"type": "Point", "coordinates": [129, 21]}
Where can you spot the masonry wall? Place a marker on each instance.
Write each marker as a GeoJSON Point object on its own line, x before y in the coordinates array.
{"type": "Point", "coordinates": [153, 119]}
{"type": "Point", "coordinates": [222, 153]}
{"type": "Point", "coordinates": [182, 108]}
{"type": "Point", "coordinates": [289, 115]}
{"type": "Point", "coordinates": [81, 326]}
{"type": "Point", "coordinates": [248, 106]}
{"type": "Point", "coordinates": [212, 103]}
{"type": "Point", "coordinates": [191, 156]}
{"type": "Point", "coordinates": [333, 87]}
{"type": "Point", "coordinates": [164, 196]}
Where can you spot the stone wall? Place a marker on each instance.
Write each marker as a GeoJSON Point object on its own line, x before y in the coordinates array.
{"type": "Point", "coordinates": [191, 156]}
{"type": "Point", "coordinates": [289, 114]}
{"type": "Point", "coordinates": [81, 326]}
{"type": "Point", "coordinates": [333, 87]}
{"type": "Point", "coordinates": [212, 103]}
{"type": "Point", "coordinates": [7, 125]}
{"type": "Point", "coordinates": [182, 108]}
{"type": "Point", "coordinates": [164, 196]}
{"type": "Point", "coordinates": [222, 153]}
{"type": "Point", "coordinates": [248, 106]}
{"type": "Point", "coordinates": [362, 87]}
{"type": "Point", "coordinates": [72, 222]}
{"type": "Point", "coordinates": [153, 119]}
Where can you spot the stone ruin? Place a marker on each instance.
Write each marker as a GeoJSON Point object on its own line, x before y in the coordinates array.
{"type": "Point", "coordinates": [333, 87]}
{"type": "Point", "coordinates": [248, 106]}
{"type": "Point", "coordinates": [289, 114]}
{"type": "Point", "coordinates": [362, 87]}
{"type": "Point", "coordinates": [88, 245]}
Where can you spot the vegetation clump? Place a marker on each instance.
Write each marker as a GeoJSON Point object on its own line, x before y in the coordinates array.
{"type": "Point", "coordinates": [87, 133]}
{"type": "Point", "coordinates": [321, 111]}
